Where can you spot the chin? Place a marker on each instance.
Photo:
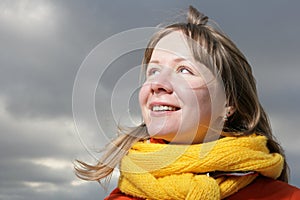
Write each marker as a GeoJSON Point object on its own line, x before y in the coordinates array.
{"type": "Point", "coordinates": [165, 135]}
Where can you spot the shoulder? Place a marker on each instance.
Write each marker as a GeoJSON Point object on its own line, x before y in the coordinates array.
{"type": "Point", "coordinates": [116, 194]}
{"type": "Point", "coordinates": [267, 188]}
{"type": "Point", "coordinates": [261, 188]}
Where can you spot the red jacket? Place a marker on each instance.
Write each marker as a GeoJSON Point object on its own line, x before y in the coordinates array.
{"type": "Point", "coordinates": [260, 188]}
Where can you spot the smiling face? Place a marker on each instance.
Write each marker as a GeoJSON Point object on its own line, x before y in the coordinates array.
{"type": "Point", "coordinates": [175, 100]}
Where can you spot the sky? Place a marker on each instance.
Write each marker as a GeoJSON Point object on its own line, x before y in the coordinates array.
{"type": "Point", "coordinates": [48, 119]}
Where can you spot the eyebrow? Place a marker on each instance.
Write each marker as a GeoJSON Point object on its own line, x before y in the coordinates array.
{"type": "Point", "coordinates": [176, 60]}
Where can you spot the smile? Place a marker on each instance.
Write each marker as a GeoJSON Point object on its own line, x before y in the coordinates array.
{"type": "Point", "coordinates": [161, 108]}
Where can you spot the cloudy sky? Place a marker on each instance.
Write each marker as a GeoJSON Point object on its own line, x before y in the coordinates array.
{"type": "Point", "coordinates": [45, 43]}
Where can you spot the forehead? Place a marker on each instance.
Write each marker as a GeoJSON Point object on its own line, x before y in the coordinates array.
{"type": "Point", "coordinates": [174, 43]}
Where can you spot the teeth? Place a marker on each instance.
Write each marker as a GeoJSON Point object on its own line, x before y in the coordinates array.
{"type": "Point", "coordinates": [163, 108]}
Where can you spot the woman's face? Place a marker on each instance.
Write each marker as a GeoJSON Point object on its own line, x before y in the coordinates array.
{"type": "Point", "coordinates": [175, 100]}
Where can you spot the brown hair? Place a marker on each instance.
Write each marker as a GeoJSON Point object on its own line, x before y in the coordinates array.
{"type": "Point", "coordinates": [239, 85]}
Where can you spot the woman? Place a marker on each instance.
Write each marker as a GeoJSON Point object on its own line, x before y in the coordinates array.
{"type": "Point", "coordinates": [205, 135]}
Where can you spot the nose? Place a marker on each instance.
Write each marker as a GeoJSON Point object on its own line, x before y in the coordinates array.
{"type": "Point", "coordinates": [162, 84]}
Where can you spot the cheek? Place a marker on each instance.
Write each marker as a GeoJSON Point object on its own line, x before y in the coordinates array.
{"type": "Point", "coordinates": [203, 97]}
{"type": "Point", "coordinates": [143, 96]}
{"type": "Point", "coordinates": [197, 101]}
{"type": "Point", "coordinates": [204, 103]}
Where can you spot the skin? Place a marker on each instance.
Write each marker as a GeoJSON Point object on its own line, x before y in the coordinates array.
{"type": "Point", "coordinates": [175, 79]}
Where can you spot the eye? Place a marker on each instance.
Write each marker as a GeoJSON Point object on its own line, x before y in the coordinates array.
{"type": "Point", "coordinates": [152, 71]}
{"type": "Point", "coordinates": [185, 70]}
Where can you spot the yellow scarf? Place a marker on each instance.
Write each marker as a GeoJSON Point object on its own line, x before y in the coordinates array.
{"type": "Point", "coordinates": [164, 171]}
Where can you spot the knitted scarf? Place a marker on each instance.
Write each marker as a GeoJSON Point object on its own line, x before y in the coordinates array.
{"type": "Point", "coordinates": [169, 171]}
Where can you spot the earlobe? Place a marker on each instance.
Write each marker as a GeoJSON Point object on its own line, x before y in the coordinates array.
{"type": "Point", "coordinates": [230, 110]}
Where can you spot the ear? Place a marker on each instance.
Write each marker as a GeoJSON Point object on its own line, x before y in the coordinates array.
{"type": "Point", "coordinates": [230, 110]}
